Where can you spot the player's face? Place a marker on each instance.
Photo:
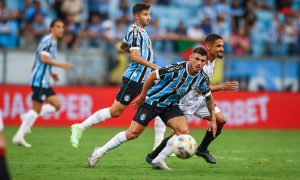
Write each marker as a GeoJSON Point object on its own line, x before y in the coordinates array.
{"type": "Point", "coordinates": [58, 29]}
{"type": "Point", "coordinates": [197, 61]}
{"type": "Point", "coordinates": [217, 48]}
{"type": "Point", "coordinates": [144, 17]}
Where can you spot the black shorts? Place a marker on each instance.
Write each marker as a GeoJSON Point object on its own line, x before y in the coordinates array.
{"type": "Point", "coordinates": [146, 113]}
{"type": "Point", "coordinates": [41, 94]}
{"type": "Point", "coordinates": [128, 91]}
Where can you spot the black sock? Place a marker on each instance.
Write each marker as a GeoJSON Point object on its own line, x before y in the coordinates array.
{"type": "Point", "coordinates": [208, 138]}
{"type": "Point", "coordinates": [3, 168]}
{"type": "Point", "coordinates": [160, 147]}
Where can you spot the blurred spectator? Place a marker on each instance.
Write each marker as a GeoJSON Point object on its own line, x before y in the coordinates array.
{"type": "Point", "coordinates": [32, 8]}
{"type": "Point", "coordinates": [72, 30]}
{"type": "Point", "coordinates": [72, 7]}
{"type": "Point", "coordinates": [206, 25]}
{"type": "Point", "coordinates": [208, 10]}
{"type": "Point", "coordinates": [94, 31]}
{"type": "Point", "coordinates": [181, 29]}
{"type": "Point", "coordinates": [99, 7]}
{"type": "Point", "coordinates": [4, 13]}
{"type": "Point", "coordinates": [250, 14]}
{"type": "Point", "coordinates": [39, 27]}
{"type": "Point", "coordinates": [290, 35]}
{"type": "Point", "coordinates": [195, 33]}
{"type": "Point", "coordinates": [240, 42]}
{"type": "Point", "coordinates": [236, 14]}
{"type": "Point", "coordinates": [27, 39]}
{"type": "Point", "coordinates": [8, 32]}
{"type": "Point", "coordinates": [223, 8]}
{"type": "Point", "coordinates": [223, 28]}
{"type": "Point", "coordinates": [123, 13]}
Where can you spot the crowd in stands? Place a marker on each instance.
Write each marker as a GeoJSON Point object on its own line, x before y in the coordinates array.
{"type": "Point", "coordinates": [249, 27]}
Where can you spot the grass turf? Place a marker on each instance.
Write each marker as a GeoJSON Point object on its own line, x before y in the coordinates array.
{"type": "Point", "coordinates": [240, 154]}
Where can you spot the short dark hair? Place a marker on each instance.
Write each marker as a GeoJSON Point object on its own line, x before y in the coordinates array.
{"type": "Point", "coordinates": [200, 50]}
{"type": "Point", "coordinates": [139, 7]}
{"type": "Point", "coordinates": [211, 38]}
{"type": "Point", "coordinates": [54, 21]}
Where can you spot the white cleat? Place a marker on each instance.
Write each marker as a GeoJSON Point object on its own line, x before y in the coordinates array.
{"type": "Point", "coordinates": [21, 141]}
{"type": "Point", "coordinates": [161, 165]}
{"type": "Point", "coordinates": [95, 156]}
{"type": "Point", "coordinates": [22, 117]}
{"type": "Point", "coordinates": [172, 155]}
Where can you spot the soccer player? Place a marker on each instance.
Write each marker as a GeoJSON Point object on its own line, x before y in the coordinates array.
{"type": "Point", "coordinates": [161, 100]}
{"type": "Point", "coordinates": [40, 81]}
{"type": "Point", "coordinates": [3, 167]}
{"type": "Point", "coordinates": [193, 104]}
{"type": "Point", "coordinates": [138, 43]}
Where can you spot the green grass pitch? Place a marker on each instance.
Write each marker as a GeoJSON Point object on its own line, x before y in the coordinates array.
{"type": "Point", "coordinates": [240, 154]}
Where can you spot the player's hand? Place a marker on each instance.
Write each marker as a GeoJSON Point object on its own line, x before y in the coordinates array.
{"type": "Point", "coordinates": [138, 102]}
{"type": "Point", "coordinates": [155, 67]}
{"type": "Point", "coordinates": [67, 66]}
{"type": "Point", "coordinates": [54, 77]}
{"type": "Point", "coordinates": [213, 124]}
{"type": "Point", "coordinates": [231, 85]}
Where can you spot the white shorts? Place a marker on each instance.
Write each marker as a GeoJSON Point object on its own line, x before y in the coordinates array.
{"type": "Point", "coordinates": [198, 109]}
{"type": "Point", "coordinates": [1, 122]}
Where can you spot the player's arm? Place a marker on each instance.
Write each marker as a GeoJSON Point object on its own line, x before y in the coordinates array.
{"type": "Point", "coordinates": [124, 46]}
{"type": "Point", "coordinates": [135, 56]}
{"type": "Point", "coordinates": [47, 60]}
{"type": "Point", "coordinates": [147, 85]}
{"type": "Point", "coordinates": [230, 85]}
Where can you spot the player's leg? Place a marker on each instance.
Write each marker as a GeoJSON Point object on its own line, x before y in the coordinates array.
{"type": "Point", "coordinates": [202, 149]}
{"type": "Point", "coordinates": [141, 119]}
{"type": "Point", "coordinates": [128, 91]}
{"type": "Point", "coordinates": [28, 121]}
{"type": "Point", "coordinates": [179, 126]}
{"type": "Point", "coordinates": [3, 167]}
{"type": "Point", "coordinates": [159, 131]}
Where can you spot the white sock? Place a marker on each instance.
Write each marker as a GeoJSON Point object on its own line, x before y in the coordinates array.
{"type": "Point", "coordinates": [47, 109]}
{"type": "Point", "coordinates": [29, 119]}
{"type": "Point", "coordinates": [159, 131]}
{"type": "Point", "coordinates": [97, 117]}
{"type": "Point", "coordinates": [168, 150]}
{"type": "Point", "coordinates": [116, 141]}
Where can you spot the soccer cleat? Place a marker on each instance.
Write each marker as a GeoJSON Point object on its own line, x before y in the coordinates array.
{"type": "Point", "coordinates": [172, 155]}
{"type": "Point", "coordinates": [161, 165]}
{"type": "Point", "coordinates": [22, 117]}
{"type": "Point", "coordinates": [208, 158]}
{"type": "Point", "coordinates": [148, 159]}
{"type": "Point", "coordinates": [76, 135]}
{"type": "Point", "coordinates": [20, 141]}
{"type": "Point", "coordinates": [94, 157]}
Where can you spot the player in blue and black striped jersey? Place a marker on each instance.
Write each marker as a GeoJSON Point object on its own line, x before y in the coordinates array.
{"type": "Point", "coordinates": [40, 81]}
{"type": "Point", "coordinates": [138, 44]}
{"type": "Point", "coordinates": [161, 99]}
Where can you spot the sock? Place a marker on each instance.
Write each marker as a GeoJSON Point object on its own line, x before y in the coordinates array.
{"type": "Point", "coordinates": [116, 141]}
{"type": "Point", "coordinates": [159, 130]}
{"type": "Point", "coordinates": [29, 120]}
{"type": "Point", "coordinates": [47, 109]}
{"type": "Point", "coordinates": [3, 168]}
{"type": "Point", "coordinates": [97, 117]}
{"type": "Point", "coordinates": [208, 138]}
{"type": "Point", "coordinates": [166, 151]}
{"type": "Point", "coordinates": [160, 147]}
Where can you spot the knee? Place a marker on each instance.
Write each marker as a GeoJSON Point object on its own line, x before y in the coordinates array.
{"type": "Point", "coordinates": [132, 135]}
{"type": "Point", "coordinates": [183, 131]}
{"type": "Point", "coordinates": [57, 106]}
{"type": "Point", "coordinates": [115, 112]}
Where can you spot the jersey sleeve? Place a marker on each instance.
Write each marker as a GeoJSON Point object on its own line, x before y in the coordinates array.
{"type": "Point", "coordinates": [45, 48]}
{"type": "Point", "coordinates": [204, 86]}
{"type": "Point", "coordinates": [167, 72]}
{"type": "Point", "coordinates": [133, 39]}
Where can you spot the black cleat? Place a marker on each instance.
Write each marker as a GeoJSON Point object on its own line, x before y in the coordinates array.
{"type": "Point", "coordinates": [148, 159]}
{"type": "Point", "coordinates": [208, 158]}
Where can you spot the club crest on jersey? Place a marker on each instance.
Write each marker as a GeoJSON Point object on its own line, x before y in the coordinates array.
{"type": "Point", "coordinates": [143, 117]}
{"type": "Point", "coordinates": [127, 98]}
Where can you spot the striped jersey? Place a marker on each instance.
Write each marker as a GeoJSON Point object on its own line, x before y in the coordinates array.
{"type": "Point", "coordinates": [40, 75]}
{"type": "Point", "coordinates": [174, 82]}
{"type": "Point", "coordinates": [137, 38]}
{"type": "Point", "coordinates": [193, 97]}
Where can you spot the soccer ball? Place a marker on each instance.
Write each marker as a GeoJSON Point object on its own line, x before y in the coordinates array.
{"type": "Point", "coordinates": [184, 146]}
